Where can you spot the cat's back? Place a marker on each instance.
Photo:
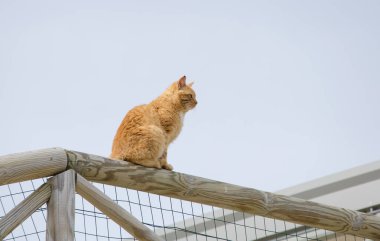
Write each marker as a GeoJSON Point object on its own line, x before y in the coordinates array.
{"type": "Point", "coordinates": [136, 117]}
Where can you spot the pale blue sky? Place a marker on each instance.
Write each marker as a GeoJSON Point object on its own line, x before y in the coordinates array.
{"type": "Point", "coordinates": [288, 91]}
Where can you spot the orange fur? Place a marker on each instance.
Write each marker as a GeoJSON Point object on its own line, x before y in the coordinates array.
{"type": "Point", "coordinates": [147, 130]}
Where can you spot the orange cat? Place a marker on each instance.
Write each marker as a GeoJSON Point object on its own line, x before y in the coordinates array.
{"type": "Point", "coordinates": [146, 131]}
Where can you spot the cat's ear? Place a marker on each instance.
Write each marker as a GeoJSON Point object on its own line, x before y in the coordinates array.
{"type": "Point", "coordinates": [190, 84]}
{"type": "Point", "coordinates": [182, 82]}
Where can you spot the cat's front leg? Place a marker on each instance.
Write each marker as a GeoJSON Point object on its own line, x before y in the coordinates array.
{"type": "Point", "coordinates": [164, 162]}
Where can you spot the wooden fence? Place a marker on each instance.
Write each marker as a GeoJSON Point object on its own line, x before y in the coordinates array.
{"type": "Point", "coordinates": [71, 171]}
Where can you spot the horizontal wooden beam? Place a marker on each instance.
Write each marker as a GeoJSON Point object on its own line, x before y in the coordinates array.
{"type": "Point", "coordinates": [114, 211]}
{"type": "Point", "coordinates": [224, 195]}
{"type": "Point", "coordinates": [24, 209]}
{"type": "Point", "coordinates": [31, 165]}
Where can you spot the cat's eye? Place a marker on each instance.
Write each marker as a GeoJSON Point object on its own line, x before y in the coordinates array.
{"type": "Point", "coordinates": [186, 97]}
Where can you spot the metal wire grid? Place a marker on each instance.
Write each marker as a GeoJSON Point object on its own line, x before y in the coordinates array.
{"type": "Point", "coordinates": [34, 227]}
{"type": "Point", "coordinates": [172, 219]}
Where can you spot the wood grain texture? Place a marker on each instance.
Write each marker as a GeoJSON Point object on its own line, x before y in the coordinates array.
{"type": "Point", "coordinates": [114, 211]}
{"type": "Point", "coordinates": [61, 207]}
{"type": "Point", "coordinates": [224, 195]}
{"type": "Point", "coordinates": [31, 165]}
{"type": "Point", "coordinates": [24, 209]}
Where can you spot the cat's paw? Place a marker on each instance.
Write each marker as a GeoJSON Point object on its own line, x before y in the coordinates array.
{"type": "Point", "coordinates": [167, 166]}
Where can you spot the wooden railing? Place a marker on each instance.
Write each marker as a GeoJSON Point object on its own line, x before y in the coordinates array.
{"type": "Point", "coordinates": [87, 167]}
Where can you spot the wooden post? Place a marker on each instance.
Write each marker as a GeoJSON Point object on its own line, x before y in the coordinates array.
{"type": "Point", "coordinates": [61, 207]}
{"type": "Point", "coordinates": [114, 211]}
{"type": "Point", "coordinates": [224, 195]}
{"type": "Point", "coordinates": [24, 209]}
{"type": "Point", "coordinates": [31, 165]}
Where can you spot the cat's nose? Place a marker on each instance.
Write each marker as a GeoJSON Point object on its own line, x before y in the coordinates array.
{"type": "Point", "coordinates": [196, 102]}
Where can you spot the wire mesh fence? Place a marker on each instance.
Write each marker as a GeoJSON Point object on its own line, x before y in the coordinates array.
{"type": "Point", "coordinates": [170, 218]}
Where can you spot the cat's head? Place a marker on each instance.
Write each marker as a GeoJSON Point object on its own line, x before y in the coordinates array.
{"type": "Point", "coordinates": [183, 94]}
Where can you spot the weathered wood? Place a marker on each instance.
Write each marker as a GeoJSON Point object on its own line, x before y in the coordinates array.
{"type": "Point", "coordinates": [24, 209]}
{"type": "Point", "coordinates": [224, 195]}
{"type": "Point", "coordinates": [61, 207]}
{"type": "Point", "coordinates": [114, 211]}
{"type": "Point", "coordinates": [31, 165]}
